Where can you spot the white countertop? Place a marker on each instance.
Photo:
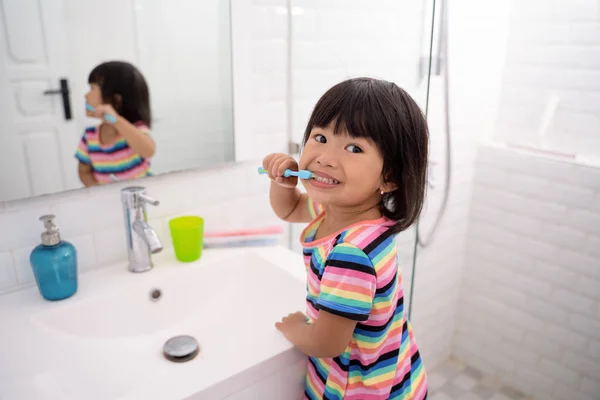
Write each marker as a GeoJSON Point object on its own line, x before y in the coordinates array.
{"type": "Point", "coordinates": [40, 361]}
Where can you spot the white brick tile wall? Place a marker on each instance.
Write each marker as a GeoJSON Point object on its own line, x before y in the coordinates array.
{"type": "Point", "coordinates": [585, 325]}
{"type": "Point", "coordinates": [589, 287]}
{"type": "Point", "coordinates": [584, 33]}
{"type": "Point", "coordinates": [594, 349]}
{"type": "Point", "coordinates": [582, 364]}
{"type": "Point", "coordinates": [554, 274]}
{"type": "Point", "coordinates": [593, 246]}
{"type": "Point", "coordinates": [543, 346]}
{"type": "Point", "coordinates": [588, 221]}
{"type": "Point", "coordinates": [573, 301]}
{"type": "Point", "coordinates": [545, 309]}
{"type": "Point", "coordinates": [579, 262]}
{"type": "Point", "coordinates": [8, 275]}
{"type": "Point", "coordinates": [551, 52]}
{"type": "Point", "coordinates": [561, 235]}
{"type": "Point", "coordinates": [557, 372]}
{"type": "Point", "coordinates": [590, 386]}
{"type": "Point", "coordinates": [565, 336]}
{"type": "Point", "coordinates": [534, 378]}
{"type": "Point", "coordinates": [23, 267]}
{"type": "Point", "coordinates": [561, 391]}
{"type": "Point", "coordinates": [531, 283]}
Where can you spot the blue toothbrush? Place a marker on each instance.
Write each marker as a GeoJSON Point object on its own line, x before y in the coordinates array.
{"type": "Point", "coordinates": [302, 174]}
{"type": "Point", "coordinates": [107, 117]}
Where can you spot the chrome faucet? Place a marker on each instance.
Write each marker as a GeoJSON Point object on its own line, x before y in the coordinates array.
{"type": "Point", "coordinates": [142, 240]}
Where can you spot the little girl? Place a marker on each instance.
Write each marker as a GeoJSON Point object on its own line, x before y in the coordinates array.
{"type": "Point", "coordinates": [366, 141]}
{"type": "Point", "coordinates": [121, 150]}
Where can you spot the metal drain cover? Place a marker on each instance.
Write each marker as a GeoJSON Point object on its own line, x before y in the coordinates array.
{"type": "Point", "coordinates": [181, 348]}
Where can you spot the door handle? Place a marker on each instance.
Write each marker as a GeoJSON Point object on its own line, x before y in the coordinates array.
{"type": "Point", "coordinates": [66, 97]}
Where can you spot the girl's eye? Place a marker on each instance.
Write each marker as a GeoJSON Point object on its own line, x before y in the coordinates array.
{"type": "Point", "coordinates": [320, 139]}
{"type": "Point", "coordinates": [353, 148]}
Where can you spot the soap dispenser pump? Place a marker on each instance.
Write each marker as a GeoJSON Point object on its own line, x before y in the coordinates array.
{"type": "Point", "coordinates": [54, 263]}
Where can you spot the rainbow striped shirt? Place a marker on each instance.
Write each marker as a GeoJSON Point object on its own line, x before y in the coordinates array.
{"type": "Point", "coordinates": [354, 274]}
{"type": "Point", "coordinates": [115, 159]}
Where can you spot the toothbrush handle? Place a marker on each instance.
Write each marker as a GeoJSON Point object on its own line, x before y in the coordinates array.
{"type": "Point", "coordinates": [286, 174]}
{"type": "Point", "coordinates": [110, 118]}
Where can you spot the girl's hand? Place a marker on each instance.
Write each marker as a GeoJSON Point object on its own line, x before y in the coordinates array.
{"type": "Point", "coordinates": [288, 325]}
{"type": "Point", "coordinates": [276, 164]}
{"type": "Point", "coordinates": [104, 109]}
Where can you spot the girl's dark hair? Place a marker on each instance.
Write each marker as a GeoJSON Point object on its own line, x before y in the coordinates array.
{"type": "Point", "coordinates": [118, 78]}
{"type": "Point", "coordinates": [382, 112]}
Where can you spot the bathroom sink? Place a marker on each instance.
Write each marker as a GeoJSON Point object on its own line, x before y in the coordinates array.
{"type": "Point", "coordinates": [106, 342]}
{"type": "Point", "coordinates": [238, 287]}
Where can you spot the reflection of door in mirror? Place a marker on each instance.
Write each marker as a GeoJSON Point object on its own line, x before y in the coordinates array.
{"type": "Point", "coordinates": [37, 131]}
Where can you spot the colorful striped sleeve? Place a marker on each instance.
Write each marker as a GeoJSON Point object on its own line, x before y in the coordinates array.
{"type": "Point", "coordinates": [142, 127]}
{"type": "Point", "coordinates": [314, 208]}
{"type": "Point", "coordinates": [82, 153]}
{"type": "Point", "coordinates": [348, 284]}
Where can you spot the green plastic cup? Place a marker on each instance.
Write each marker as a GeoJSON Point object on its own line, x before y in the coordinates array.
{"type": "Point", "coordinates": [186, 233]}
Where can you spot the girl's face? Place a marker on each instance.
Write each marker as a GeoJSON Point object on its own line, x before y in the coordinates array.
{"type": "Point", "coordinates": [93, 97]}
{"type": "Point", "coordinates": [353, 166]}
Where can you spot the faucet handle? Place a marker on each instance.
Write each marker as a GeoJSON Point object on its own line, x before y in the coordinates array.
{"type": "Point", "coordinates": [135, 196]}
{"type": "Point", "coordinates": [144, 198]}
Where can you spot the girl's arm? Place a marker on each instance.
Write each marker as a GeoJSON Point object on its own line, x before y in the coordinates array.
{"type": "Point", "coordinates": [289, 204]}
{"type": "Point", "coordinates": [139, 142]}
{"type": "Point", "coordinates": [328, 337]}
{"type": "Point", "coordinates": [286, 200]}
{"type": "Point", "coordinates": [347, 292]}
{"type": "Point", "coordinates": [86, 176]}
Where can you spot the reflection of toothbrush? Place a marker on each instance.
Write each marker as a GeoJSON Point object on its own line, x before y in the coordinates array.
{"type": "Point", "coordinates": [302, 174]}
{"type": "Point", "coordinates": [109, 118]}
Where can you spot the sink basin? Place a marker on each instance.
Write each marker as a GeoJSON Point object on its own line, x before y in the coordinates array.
{"type": "Point", "coordinates": [106, 341]}
{"type": "Point", "coordinates": [239, 287]}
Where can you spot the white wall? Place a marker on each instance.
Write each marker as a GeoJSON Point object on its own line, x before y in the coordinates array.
{"type": "Point", "coordinates": [551, 82]}
{"type": "Point", "coordinates": [530, 299]}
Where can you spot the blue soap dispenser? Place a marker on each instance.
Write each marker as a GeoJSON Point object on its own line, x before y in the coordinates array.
{"type": "Point", "coordinates": [54, 263]}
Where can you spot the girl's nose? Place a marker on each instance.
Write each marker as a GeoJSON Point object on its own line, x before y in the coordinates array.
{"type": "Point", "coordinates": [327, 159]}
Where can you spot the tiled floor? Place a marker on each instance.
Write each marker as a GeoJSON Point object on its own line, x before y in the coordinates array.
{"type": "Point", "coordinates": [452, 380]}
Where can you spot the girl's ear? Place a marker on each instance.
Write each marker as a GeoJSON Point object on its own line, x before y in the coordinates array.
{"type": "Point", "coordinates": [117, 102]}
{"type": "Point", "coordinates": [388, 187]}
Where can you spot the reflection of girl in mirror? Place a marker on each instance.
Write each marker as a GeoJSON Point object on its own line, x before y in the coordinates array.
{"type": "Point", "coordinates": [116, 151]}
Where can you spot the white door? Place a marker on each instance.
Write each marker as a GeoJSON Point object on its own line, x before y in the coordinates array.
{"type": "Point", "coordinates": [37, 138]}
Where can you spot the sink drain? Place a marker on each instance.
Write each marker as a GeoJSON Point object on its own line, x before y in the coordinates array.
{"type": "Point", "coordinates": [181, 348]}
{"type": "Point", "coordinates": [155, 294]}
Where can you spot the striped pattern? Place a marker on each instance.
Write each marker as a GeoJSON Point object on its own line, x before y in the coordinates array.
{"type": "Point", "coordinates": [354, 273]}
{"type": "Point", "coordinates": [112, 159]}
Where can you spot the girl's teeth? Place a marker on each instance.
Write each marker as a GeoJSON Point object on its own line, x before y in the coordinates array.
{"type": "Point", "coordinates": [328, 181]}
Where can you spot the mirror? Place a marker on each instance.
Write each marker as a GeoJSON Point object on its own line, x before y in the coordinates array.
{"type": "Point", "coordinates": [180, 50]}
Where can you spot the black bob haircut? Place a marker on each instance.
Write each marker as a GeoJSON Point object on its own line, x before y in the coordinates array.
{"type": "Point", "coordinates": [123, 86]}
{"type": "Point", "coordinates": [387, 115]}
